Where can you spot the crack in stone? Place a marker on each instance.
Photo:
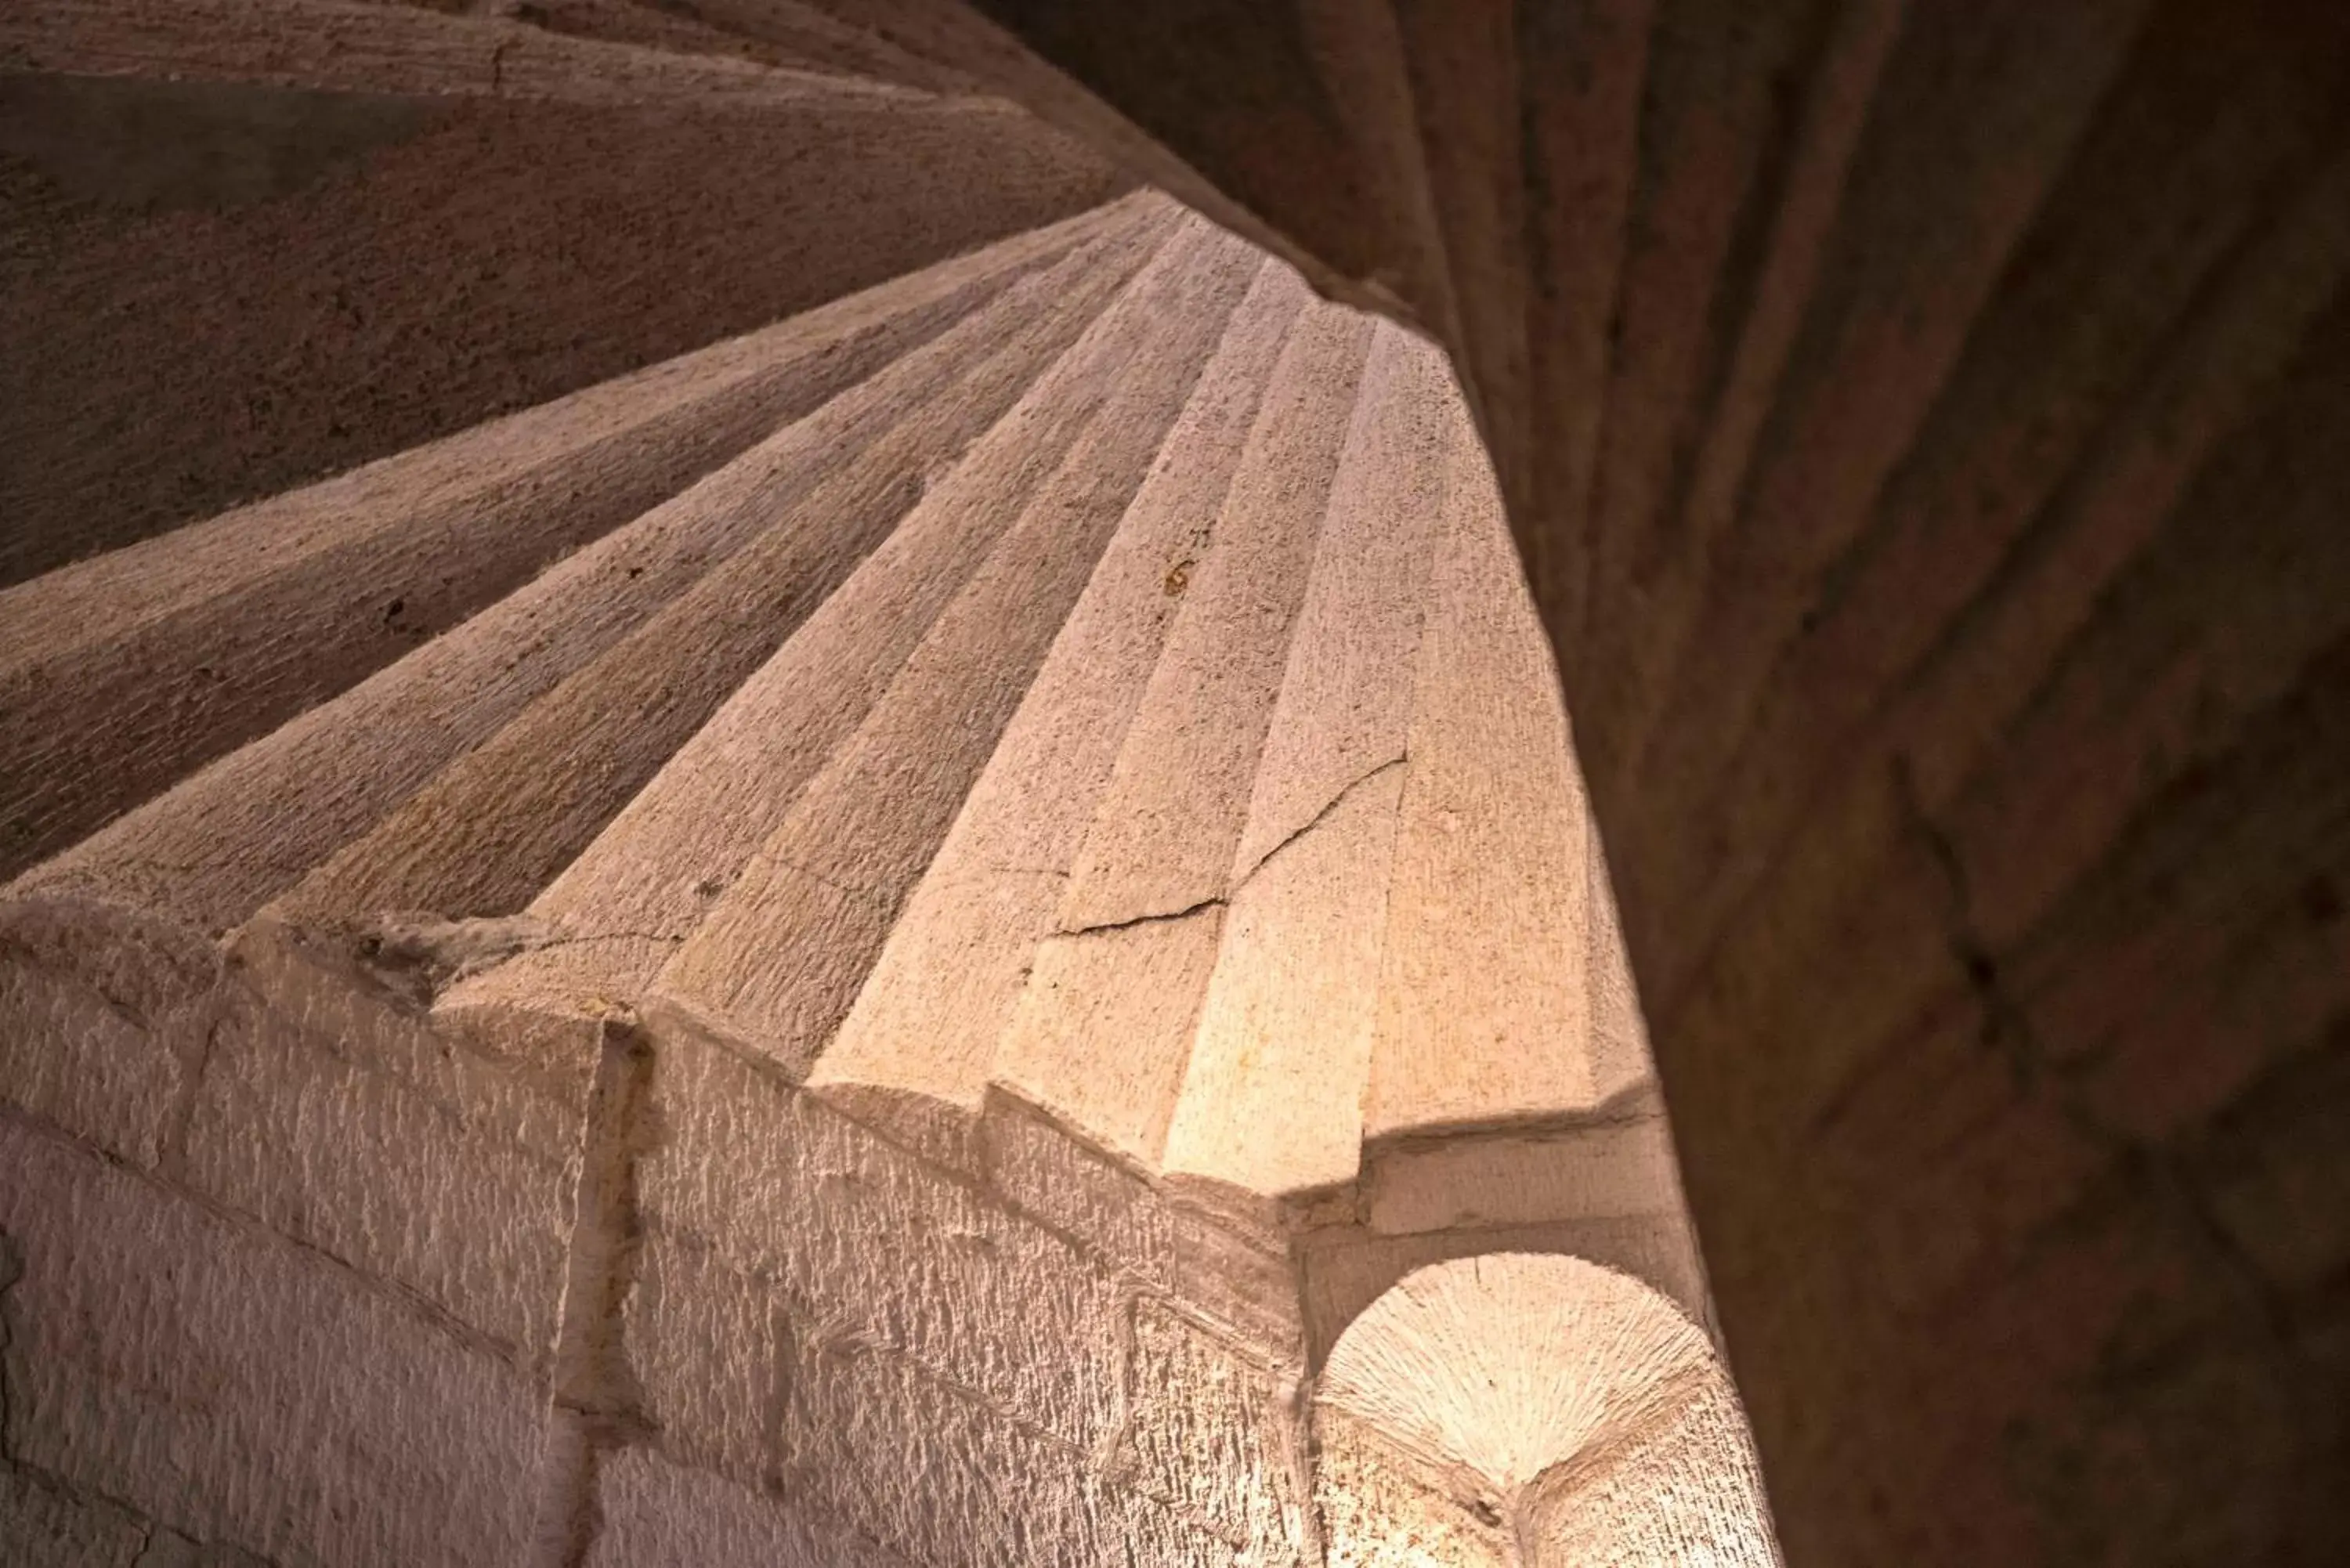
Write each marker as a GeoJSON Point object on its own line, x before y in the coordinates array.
{"type": "Point", "coordinates": [1220, 900]}
{"type": "Point", "coordinates": [1216, 902]}
{"type": "Point", "coordinates": [1311, 823]}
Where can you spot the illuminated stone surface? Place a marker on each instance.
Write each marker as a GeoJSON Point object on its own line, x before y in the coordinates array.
{"type": "Point", "coordinates": [904, 858]}
{"type": "Point", "coordinates": [896, 1001]}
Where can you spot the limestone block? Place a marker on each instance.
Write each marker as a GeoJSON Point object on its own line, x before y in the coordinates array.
{"type": "Point", "coordinates": [939, 1477]}
{"type": "Point", "coordinates": [699, 1336]}
{"type": "Point", "coordinates": [857, 1233]}
{"type": "Point", "coordinates": [102, 1014]}
{"type": "Point", "coordinates": [1218, 1274]}
{"type": "Point", "coordinates": [873, 818]}
{"type": "Point", "coordinates": [1494, 1384]}
{"type": "Point", "coordinates": [1609, 1170]}
{"type": "Point", "coordinates": [1106, 1208]}
{"type": "Point", "coordinates": [44, 1526]}
{"type": "Point", "coordinates": [953, 966]}
{"type": "Point", "coordinates": [1485, 1000]}
{"type": "Point", "coordinates": [340, 1117]}
{"type": "Point", "coordinates": [216, 847]}
{"type": "Point", "coordinates": [1383, 1509]}
{"type": "Point", "coordinates": [1235, 1277]}
{"type": "Point", "coordinates": [487, 833]}
{"type": "Point", "coordinates": [948, 1482]}
{"type": "Point", "coordinates": [1139, 984]}
{"type": "Point", "coordinates": [244, 1390]}
{"type": "Point", "coordinates": [1685, 1489]}
{"type": "Point", "coordinates": [1272, 1102]}
{"type": "Point", "coordinates": [1138, 924]}
{"type": "Point", "coordinates": [656, 1514]}
{"type": "Point", "coordinates": [651, 876]}
{"type": "Point", "coordinates": [1346, 1268]}
{"type": "Point", "coordinates": [1162, 839]}
{"type": "Point", "coordinates": [1347, 697]}
{"type": "Point", "coordinates": [1215, 1431]}
{"type": "Point", "coordinates": [351, 573]}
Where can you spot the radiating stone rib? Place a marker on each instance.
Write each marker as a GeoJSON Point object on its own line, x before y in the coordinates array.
{"type": "Point", "coordinates": [1164, 838]}
{"type": "Point", "coordinates": [782, 958]}
{"type": "Point", "coordinates": [213, 849]}
{"type": "Point", "coordinates": [1344, 710]}
{"type": "Point", "coordinates": [653, 875]}
{"type": "Point", "coordinates": [162, 637]}
{"type": "Point", "coordinates": [929, 1020]}
{"type": "Point", "coordinates": [1484, 1011]}
{"type": "Point", "coordinates": [487, 834]}
{"type": "Point", "coordinates": [1485, 1404]}
{"type": "Point", "coordinates": [1271, 1102]}
{"type": "Point", "coordinates": [1137, 929]}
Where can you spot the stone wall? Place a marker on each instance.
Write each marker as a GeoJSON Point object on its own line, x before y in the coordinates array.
{"type": "Point", "coordinates": [383, 227]}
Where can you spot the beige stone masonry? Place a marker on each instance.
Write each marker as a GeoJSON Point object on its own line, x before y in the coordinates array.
{"type": "Point", "coordinates": [1144, 893]}
{"type": "Point", "coordinates": [1477, 1403]}
{"type": "Point", "coordinates": [942, 993]}
{"type": "Point", "coordinates": [490, 830]}
{"type": "Point", "coordinates": [872, 819]}
{"type": "Point", "coordinates": [352, 573]}
{"type": "Point", "coordinates": [237, 1387]}
{"type": "Point", "coordinates": [654, 874]}
{"type": "Point", "coordinates": [909, 1004]}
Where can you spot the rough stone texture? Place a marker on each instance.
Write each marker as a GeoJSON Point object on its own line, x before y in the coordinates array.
{"type": "Point", "coordinates": [1519, 1408]}
{"type": "Point", "coordinates": [48, 1527]}
{"type": "Point", "coordinates": [656, 1514]}
{"type": "Point", "coordinates": [1218, 1431]}
{"type": "Point", "coordinates": [851, 1232]}
{"type": "Point", "coordinates": [872, 819]}
{"type": "Point", "coordinates": [1382, 1509]}
{"type": "Point", "coordinates": [490, 831]}
{"type": "Point", "coordinates": [398, 521]}
{"type": "Point", "coordinates": [235, 1386]}
{"type": "Point", "coordinates": [103, 1014]}
{"type": "Point", "coordinates": [1922, 426]}
{"type": "Point", "coordinates": [1673, 1492]}
{"type": "Point", "coordinates": [834, 1022]}
{"type": "Point", "coordinates": [954, 967]}
{"type": "Point", "coordinates": [337, 309]}
{"type": "Point", "coordinates": [945, 1481]}
{"type": "Point", "coordinates": [653, 876]}
{"type": "Point", "coordinates": [336, 1115]}
{"type": "Point", "coordinates": [1610, 1169]}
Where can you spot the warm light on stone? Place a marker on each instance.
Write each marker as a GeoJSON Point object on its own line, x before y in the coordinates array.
{"type": "Point", "coordinates": [918, 985]}
{"type": "Point", "coordinates": [1517, 1409]}
{"type": "Point", "coordinates": [820, 783]}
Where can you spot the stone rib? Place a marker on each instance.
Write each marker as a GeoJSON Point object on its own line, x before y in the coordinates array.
{"type": "Point", "coordinates": [872, 819]}
{"type": "Point", "coordinates": [929, 1020]}
{"type": "Point", "coordinates": [350, 573]}
{"type": "Point", "coordinates": [492, 830]}
{"type": "Point", "coordinates": [1162, 837]}
{"type": "Point", "coordinates": [650, 878]}
{"type": "Point", "coordinates": [1271, 1102]}
{"type": "Point", "coordinates": [1483, 1005]}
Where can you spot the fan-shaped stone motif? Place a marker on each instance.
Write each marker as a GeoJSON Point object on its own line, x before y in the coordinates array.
{"type": "Point", "coordinates": [1000, 856]}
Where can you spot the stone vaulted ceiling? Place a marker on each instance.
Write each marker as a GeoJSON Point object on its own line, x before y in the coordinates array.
{"type": "Point", "coordinates": [788, 781]}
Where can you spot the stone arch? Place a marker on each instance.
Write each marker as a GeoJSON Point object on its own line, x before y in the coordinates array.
{"type": "Point", "coordinates": [1535, 1409]}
